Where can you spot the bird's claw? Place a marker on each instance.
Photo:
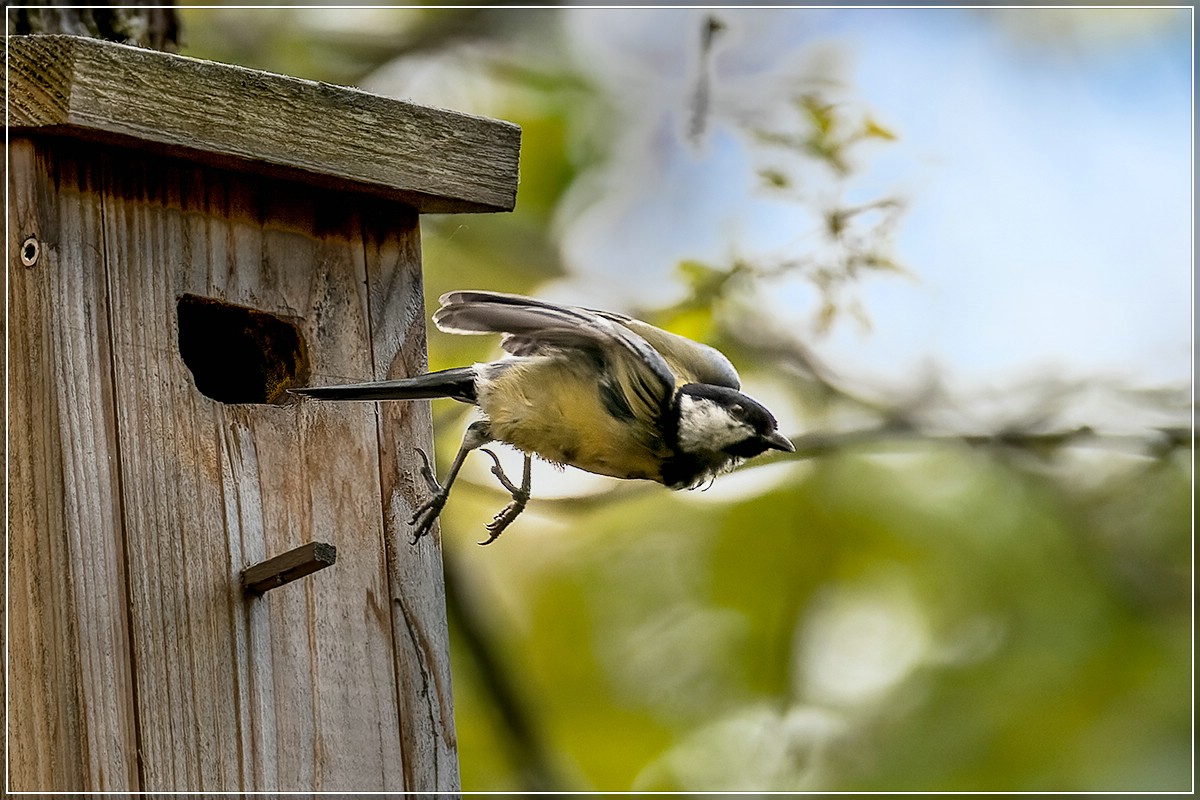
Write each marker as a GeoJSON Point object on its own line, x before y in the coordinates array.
{"type": "Point", "coordinates": [520, 496]}
{"type": "Point", "coordinates": [425, 515]}
{"type": "Point", "coordinates": [498, 471]}
{"type": "Point", "coordinates": [427, 473]}
{"type": "Point", "coordinates": [503, 519]}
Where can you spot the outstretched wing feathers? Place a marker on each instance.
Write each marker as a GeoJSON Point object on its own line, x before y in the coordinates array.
{"type": "Point", "coordinates": [692, 362]}
{"type": "Point", "coordinates": [530, 326]}
{"type": "Point", "coordinates": [533, 326]}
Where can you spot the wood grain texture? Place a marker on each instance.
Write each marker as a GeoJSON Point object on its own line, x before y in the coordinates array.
{"type": "Point", "coordinates": [304, 675]}
{"type": "Point", "coordinates": [72, 713]}
{"type": "Point", "coordinates": [431, 159]}
{"type": "Point", "coordinates": [4, 459]}
{"type": "Point", "coordinates": [132, 487]}
{"type": "Point", "coordinates": [393, 259]}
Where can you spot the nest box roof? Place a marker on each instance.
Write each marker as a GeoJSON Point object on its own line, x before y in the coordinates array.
{"type": "Point", "coordinates": [344, 139]}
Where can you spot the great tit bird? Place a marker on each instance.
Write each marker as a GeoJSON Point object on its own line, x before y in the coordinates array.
{"type": "Point", "coordinates": [591, 389]}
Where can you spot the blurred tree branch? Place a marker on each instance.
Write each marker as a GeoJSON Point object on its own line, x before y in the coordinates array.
{"type": "Point", "coordinates": [1158, 444]}
{"type": "Point", "coordinates": [526, 748]}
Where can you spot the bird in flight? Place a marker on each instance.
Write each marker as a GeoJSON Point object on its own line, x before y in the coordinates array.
{"type": "Point", "coordinates": [591, 389]}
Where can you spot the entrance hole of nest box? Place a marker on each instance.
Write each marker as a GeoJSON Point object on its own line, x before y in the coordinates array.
{"type": "Point", "coordinates": [239, 354]}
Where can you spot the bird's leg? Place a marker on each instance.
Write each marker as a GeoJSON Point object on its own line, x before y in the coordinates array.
{"type": "Point", "coordinates": [427, 512]}
{"type": "Point", "coordinates": [520, 496]}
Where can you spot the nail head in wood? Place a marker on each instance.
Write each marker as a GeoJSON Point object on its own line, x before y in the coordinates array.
{"type": "Point", "coordinates": [29, 251]}
{"type": "Point", "coordinates": [287, 567]}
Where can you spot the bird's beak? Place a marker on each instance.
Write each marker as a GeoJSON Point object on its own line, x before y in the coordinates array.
{"type": "Point", "coordinates": [777, 441]}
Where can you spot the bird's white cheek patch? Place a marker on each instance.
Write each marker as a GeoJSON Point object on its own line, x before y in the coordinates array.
{"type": "Point", "coordinates": [705, 426]}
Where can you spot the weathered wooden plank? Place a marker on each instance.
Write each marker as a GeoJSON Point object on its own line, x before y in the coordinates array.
{"type": "Point", "coordinates": [72, 724]}
{"type": "Point", "coordinates": [293, 690]}
{"type": "Point", "coordinates": [180, 597]}
{"type": "Point", "coordinates": [418, 603]}
{"type": "Point", "coordinates": [311, 246]}
{"type": "Point", "coordinates": [4, 460]}
{"type": "Point", "coordinates": [431, 159]}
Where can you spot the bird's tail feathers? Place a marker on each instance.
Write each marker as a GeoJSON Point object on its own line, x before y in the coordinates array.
{"type": "Point", "coordinates": [457, 383]}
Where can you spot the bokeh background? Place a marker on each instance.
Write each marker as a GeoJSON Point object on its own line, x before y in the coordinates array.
{"type": "Point", "coordinates": [952, 249]}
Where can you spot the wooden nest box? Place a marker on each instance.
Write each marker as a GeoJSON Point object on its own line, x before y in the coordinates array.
{"type": "Point", "coordinates": [186, 241]}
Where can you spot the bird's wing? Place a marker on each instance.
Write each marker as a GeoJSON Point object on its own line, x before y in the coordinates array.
{"type": "Point", "coordinates": [535, 327]}
{"type": "Point", "coordinates": [691, 361]}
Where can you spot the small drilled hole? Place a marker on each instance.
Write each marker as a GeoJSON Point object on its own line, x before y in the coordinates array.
{"type": "Point", "coordinates": [238, 354]}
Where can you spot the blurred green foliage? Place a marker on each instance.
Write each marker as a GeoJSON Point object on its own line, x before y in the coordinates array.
{"type": "Point", "coordinates": [896, 609]}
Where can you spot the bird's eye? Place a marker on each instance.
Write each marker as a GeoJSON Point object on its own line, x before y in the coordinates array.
{"type": "Point", "coordinates": [737, 411]}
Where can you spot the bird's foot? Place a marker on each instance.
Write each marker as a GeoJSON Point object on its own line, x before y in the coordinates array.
{"type": "Point", "coordinates": [423, 518]}
{"type": "Point", "coordinates": [520, 496]}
